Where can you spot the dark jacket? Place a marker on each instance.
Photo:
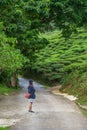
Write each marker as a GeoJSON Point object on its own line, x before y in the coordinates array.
{"type": "Point", "coordinates": [31, 90]}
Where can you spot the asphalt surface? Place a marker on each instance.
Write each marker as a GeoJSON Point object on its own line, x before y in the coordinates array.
{"type": "Point", "coordinates": [51, 112]}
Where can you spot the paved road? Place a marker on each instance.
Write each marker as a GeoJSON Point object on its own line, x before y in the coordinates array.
{"type": "Point", "coordinates": [51, 112]}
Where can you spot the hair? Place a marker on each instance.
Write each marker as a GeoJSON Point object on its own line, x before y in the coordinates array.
{"type": "Point", "coordinates": [30, 82]}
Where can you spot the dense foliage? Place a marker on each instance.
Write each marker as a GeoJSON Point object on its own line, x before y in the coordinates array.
{"type": "Point", "coordinates": [65, 61]}
{"type": "Point", "coordinates": [68, 14]}
{"type": "Point", "coordinates": [10, 58]}
{"type": "Point", "coordinates": [22, 22]}
{"type": "Point", "coordinates": [62, 56]}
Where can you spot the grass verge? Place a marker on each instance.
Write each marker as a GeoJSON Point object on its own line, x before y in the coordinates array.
{"type": "Point", "coordinates": [7, 90]}
{"type": "Point", "coordinates": [84, 112]}
{"type": "Point", "coordinates": [1, 128]}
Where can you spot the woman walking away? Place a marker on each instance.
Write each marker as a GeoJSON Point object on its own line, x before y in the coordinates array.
{"type": "Point", "coordinates": [31, 91]}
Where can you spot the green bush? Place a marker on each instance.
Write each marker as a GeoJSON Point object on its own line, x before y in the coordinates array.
{"type": "Point", "coordinates": [65, 61]}
{"type": "Point", "coordinates": [62, 56]}
{"type": "Point", "coordinates": [6, 90]}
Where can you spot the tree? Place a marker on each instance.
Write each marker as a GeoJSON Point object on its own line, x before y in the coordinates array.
{"type": "Point", "coordinates": [23, 19]}
{"type": "Point", "coordinates": [68, 14]}
{"type": "Point", "coordinates": [11, 59]}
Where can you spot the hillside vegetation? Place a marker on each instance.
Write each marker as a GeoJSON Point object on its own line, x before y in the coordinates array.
{"type": "Point", "coordinates": [65, 61]}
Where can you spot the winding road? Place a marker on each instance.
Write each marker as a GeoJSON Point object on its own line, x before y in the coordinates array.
{"type": "Point", "coordinates": [51, 112]}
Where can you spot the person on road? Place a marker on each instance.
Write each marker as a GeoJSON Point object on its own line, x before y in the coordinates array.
{"type": "Point", "coordinates": [31, 91]}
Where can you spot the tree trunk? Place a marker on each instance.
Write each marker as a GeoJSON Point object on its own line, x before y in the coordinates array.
{"type": "Point", "coordinates": [14, 80]}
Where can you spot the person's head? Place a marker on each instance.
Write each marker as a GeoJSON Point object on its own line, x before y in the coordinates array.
{"type": "Point", "coordinates": [31, 82]}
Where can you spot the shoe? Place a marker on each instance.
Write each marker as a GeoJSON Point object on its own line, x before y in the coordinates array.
{"type": "Point", "coordinates": [31, 111]}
